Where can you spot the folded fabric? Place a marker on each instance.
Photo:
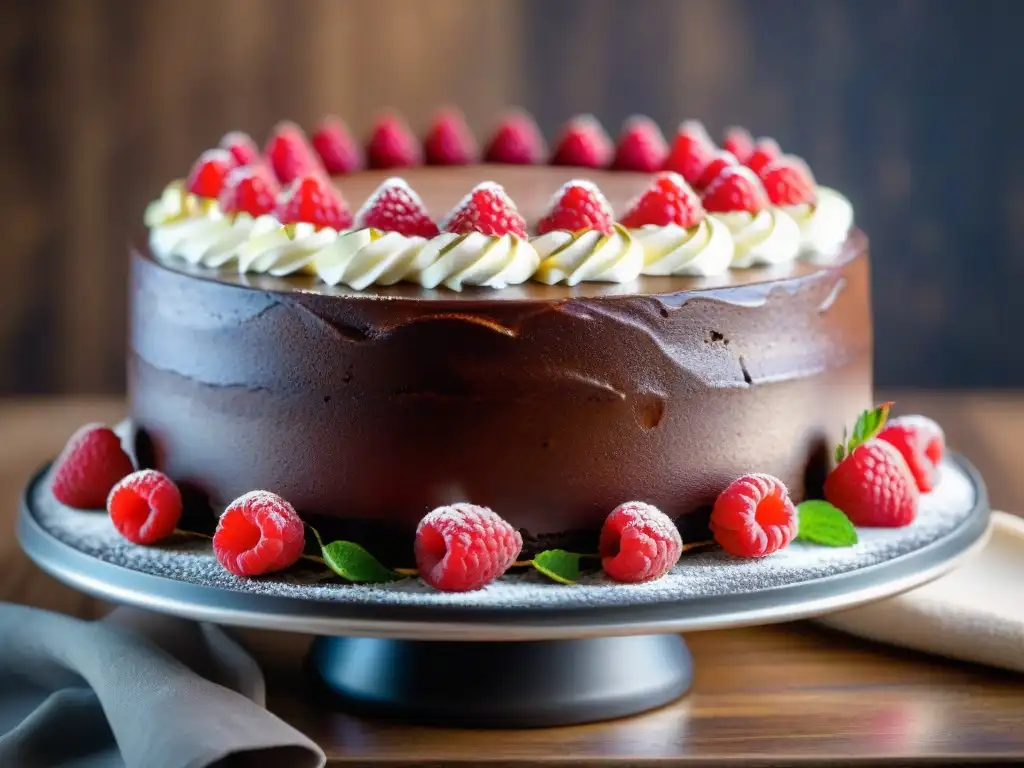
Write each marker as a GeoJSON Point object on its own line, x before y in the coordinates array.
{"type": "Point", "coordinates": [135, 689]}
{"type": "Point", "coordinates": [974, 613]}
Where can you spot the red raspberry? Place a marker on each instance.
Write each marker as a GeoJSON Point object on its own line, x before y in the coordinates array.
{"type": "Point", "coordinates": [638, 543]}
{"type": "Point", "coordinates": [392, 145]}
{"type": "Point", "coordinates": [765, 150]}
{"type": "Point", "coordinates": [290, 154]}
{"type": "Point", "coordinates": [90, 465]}
{"type": "Point", "coordinates": [395, 207]}
{"type": "Point", "coordinates": [668, 200]}
{"type": "Point", "coordinates": [690, 152]}
{"type": "Point", "coordinates": [242, 148]}
{"type": "Point", "coordinates": [338, 151]}
{"type": "Point", "coordinates": [754, 516]}
{"type": "Point", "coordinates": [517, 141]}
{"type": "Point", "coordinates": [922, 444]}
{"type": "Point", "coordinates": [249, 189]}
{"type": "Point", "coordinates": [735, 189]}
{"type": "Point", "coordinates": [583, 142]}
{"type": "Point", "coordinates": [788, 181]}
{"type": "Point", "coordinates": [738, 142]}
{"type": "Point", "coordinates": [258, 533]}
{"type": "Point", "coordinates": [873, 486]}
{"type": "Point", "coordinates": [576, 206]}
{"type": "Point", "coordinates": [718, 162]}
{"type": "Point", "coordinates": [208, 173]}
{"type": "Point", "coordinates": [145, 507]}
{"type": "Point", "coordinates": [314, 200]}
{"type": "Point", "coordinates": [463, 547]}
{"type": "Point", "coordinates": [449, 140]}
{"type": "Point", "coordinates": [641, 146]}
{"type": "Point", "coordinates": [486, 209]}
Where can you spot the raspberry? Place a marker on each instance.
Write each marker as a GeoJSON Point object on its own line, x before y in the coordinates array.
{"type": "Point", "coordinates": [738, 142]}
{"type": "Point", "coordinates": [242, 148]}
{"type": "Point", "coordinates": [258, 533]}
{"type": "Point", "coordinates": [576, 206]}
{"type": "Point", "coordinates": [516, 140]}
{"type": "Point", "coordinates": [873, 486]}
{"type": "Point", "coordinates": [208, 173]}
{"type": "Point", "coordinates": [718, 162]}
{"type": "Point", "coordinates": [641, 146]}
{"type": "Point", "coordinates": [638, 543]}
{"type": "Point", "coordinates": [922, 444]}
{"type": "Point", "coordinates": [690, 152]}
{"type": "Point", "coordinates": [249, 189]}
{"type": "Point", "coordinates": [392, 145]}
{"type": "Point", "coordinates": [765, 150]}
{"type": "Point", "coordinates": [338, 151]}
{"type": "Point", "coordinates": [145, 507]}
{"type": "Point", "coordinates": [463, 547]}
{"type": "Point", "coordinates": [583, 142]}
{"type": "Point", "coordinates": [668, 200]}
{"type": "Point", "coordinates": [290, 154]}
{"type": "Point", "coordinates": [395, 207]}
{"type": "Point", "coordinates": [735, 189]}
{"type": "Point", "coordinates": [788, 181]}
{"type": "Point", "coordinates": [754, 516]}
{"type": "Point", "coordinates": [312, 199]}
{"type": "Point", "coordinates": [486, 209]}
{"type": "Point", "coordinates": [90, 465]}
{"type": "Point", "coordinates": [449, 140]}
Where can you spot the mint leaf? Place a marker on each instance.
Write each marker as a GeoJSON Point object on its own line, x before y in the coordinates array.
{"type": "Point", "coordinates": [558, 565]}
{"type": "Point", "coordinates": [868, 425]}
{"type": "Point", "coordinates": [823, 523]}
{"type": "Point", "coordinates": [352, 562]}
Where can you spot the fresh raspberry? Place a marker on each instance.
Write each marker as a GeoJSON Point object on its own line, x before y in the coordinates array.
{"type": "Point", "coordinates": [449, 140]}
{"type": "Point", "coordinates": [583, 142]}
{"type": "Point", "coordinates": [668, 200]}
{"type": "Point", "coordinates": [314, 200]}
{"type": "Point", "coordinates": [338, 151]}
{"type": "Point", "coordinates": [392, 144]}
{"type": "Point", "coordinates": [258, 533]}
{"type": "Point", "coordinates": [249, 189]}
{"type": "Point", "coordinates": [754, 516]}
{"type": "Point", "coordinates": [719, 161]}
{"type": "Point", "coordinates": [463, 547]}
{"type": "Point", "coordinates": [690, 152]}
{"type": "Point", "coordinates": [788, 181]}
{"type": "Point", "coordinates": [576, 206]}
{"type": "Point", "coordinates": [641, 146]}
{"type": "Point", "coordinates": [242, 148]}
{"type": "Point", "coordinates": [486, 209]}
{"type": "Point", "coordinates": [638, 543]}
{"type": "Point", "coordinates": [208, 173]}
{"type": "Point", "coordinates": [145, 507]}
{"type": "Point", "coordinates": [735, 189]}
{"type": "Point", "coordinates": [922, 444]}
{"type": "Point", "coordinates": [517, 141]}
{"type": "Point", "coordinates": [89, 466]}
{"type": "Point", "coordinates": [290, 154]}
{"type": "Point", "coordinates": [765, 150]}
{"type": "Point", "coordinates": [395, 207]}
{"type": "Point", "coordinates": [874, 486]}
{"type": "Point", "coordinates": [739, 142]}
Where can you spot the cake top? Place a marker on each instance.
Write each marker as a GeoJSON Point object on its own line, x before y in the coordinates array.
{"type": "Point", "coordinates": [443, 213]}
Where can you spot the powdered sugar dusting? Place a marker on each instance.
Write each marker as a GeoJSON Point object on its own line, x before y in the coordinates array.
{"type": "Point", "coordinates": [392, 183]}
{"type": "Point", "coordinates": [586, 184]}
{"type": "Point", "coordinates": [699, 574]}
{"type": "Point", "coordinates": [483, 186]}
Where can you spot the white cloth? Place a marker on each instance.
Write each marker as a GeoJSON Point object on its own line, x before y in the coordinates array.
{"type": "Point", "coordinates": [974, 613]}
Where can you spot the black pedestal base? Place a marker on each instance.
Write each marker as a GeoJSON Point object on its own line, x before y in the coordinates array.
{"type": "Point", "coordinates": [503, 684]}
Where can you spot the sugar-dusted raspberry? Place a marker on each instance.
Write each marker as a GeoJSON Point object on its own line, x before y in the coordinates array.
{"type": "Point", "coordinates": [462, 547]}
{"type": "Point", "coordinates": [395, 207]}
{"type": "Point", "coordinates": [690, 151]}
{"type": "Point", "coordinates": [873, 486]}
{"type": "Point", "coordinates": [922, 444]}
{"type": "Point", "coordinates": [721, 160]}
{"type": "Point", "coordinates": [638, 543]}
{"type": "Point", "coordinates": [788, 181]}
{"type": "Point", "coordinates": [313, 200]}
{"type": "Point", "coordinates": [754, 516]}
{"type": "Point", "coordinates": [242, 148]}
{"type": "Point", "coordinates": [738, 142]}
{"type": "Point", "coordinates": [290, 154]}
{"type": "Point", "coordinates": [449, 141]}
{"type": "Point", "coordinates": [249, 189]}
{"type": "Point", "coordinates": [735, 189]}
{"type": "Point", "coordinates": [338, 151]}
{"type": "Point", "coordinates": [583, 142]}
{"type": "Point", "coordinates": [517, 140]}
{"type": "Point", "coordinates": [578, 205]}
{"type": "Point", "coordinates": [641, 146]}
{"type": "Point", "coordinates": [488, 210]}
{"type": "Point", "coordinates": [145, 507]}
{"type": "Point", "coordinates": [258, 533]}
{"type": "Point", "coordinates": [90, 465]}
{"type": "Point", "coordinates": [208, 173]}
{"type": "Point", "coordinates": [764, 152]}
{"type": "Point", "coordinates": [667, 200]}
{"type": "Point", "coordinates": [392, 144]}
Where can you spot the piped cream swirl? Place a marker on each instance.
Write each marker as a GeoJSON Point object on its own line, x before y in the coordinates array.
{"type": "Point", "coordinates": [706, 249]}
{"type": "Point", "coordinates": [588, 256]}
{"type": "Point", "coordinates": [770, 236]}
{"type": "Point", "coordinates": [824, 226]}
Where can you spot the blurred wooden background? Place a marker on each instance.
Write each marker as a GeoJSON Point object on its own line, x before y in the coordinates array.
{"type": "Point", "coordinates": [911, 107]}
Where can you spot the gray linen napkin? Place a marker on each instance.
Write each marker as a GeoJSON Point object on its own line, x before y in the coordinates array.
{"type": "Point", "coordinates": [136, 689]}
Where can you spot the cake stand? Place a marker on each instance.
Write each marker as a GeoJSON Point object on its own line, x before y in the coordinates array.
{"type": "Point", "coordinates": [430, 657]}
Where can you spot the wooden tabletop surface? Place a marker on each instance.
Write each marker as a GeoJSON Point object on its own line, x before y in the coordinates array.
{"type": "Point", "coordinates": [789, 694]}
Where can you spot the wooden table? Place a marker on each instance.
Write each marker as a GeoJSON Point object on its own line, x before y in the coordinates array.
{"type": "Point", "coordinates": [782, 695]}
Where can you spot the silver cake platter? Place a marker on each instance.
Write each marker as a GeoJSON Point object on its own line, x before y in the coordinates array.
{"type": "Point", "coordinates": [493, 665]}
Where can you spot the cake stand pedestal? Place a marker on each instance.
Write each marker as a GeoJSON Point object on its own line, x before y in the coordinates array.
{"type": "Point", "coordinates": [493, 665]}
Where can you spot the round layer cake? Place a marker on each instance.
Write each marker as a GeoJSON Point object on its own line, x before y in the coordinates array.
{"type": "Point", "coordinates": [550, 404]}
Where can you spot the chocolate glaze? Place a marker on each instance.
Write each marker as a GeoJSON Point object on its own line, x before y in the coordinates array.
{"type": "Point", "coordinates": [552, 405]}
